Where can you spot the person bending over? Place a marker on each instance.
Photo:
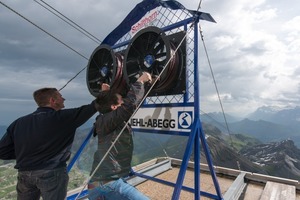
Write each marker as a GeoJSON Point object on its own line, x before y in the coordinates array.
{"type": "Point", "coordinates": [107, 182]}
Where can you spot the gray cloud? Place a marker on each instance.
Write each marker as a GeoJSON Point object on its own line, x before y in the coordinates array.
{"type": "Point", "coordinates": [252, 48]}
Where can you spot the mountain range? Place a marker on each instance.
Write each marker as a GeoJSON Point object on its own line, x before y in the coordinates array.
{"type": "Point", "coordinates": [285, 116]}
{"type": "Point", "coordinates": [281, 159]}
{"type": "Point", "coordinates": [268, 124]}
{"type": "Point", "coordinates": [226, 142]}
{"type": "Point", "coordinates": [253, 144]}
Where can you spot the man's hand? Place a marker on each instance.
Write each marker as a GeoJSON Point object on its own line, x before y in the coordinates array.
{"type": "Point", "coordinates": [145, 77]}
{"type": "Point", "coordinates": [105, 86]}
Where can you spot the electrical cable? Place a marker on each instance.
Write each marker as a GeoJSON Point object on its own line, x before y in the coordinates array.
{"type": "Point", "coordinates": [212, 73]}
{"type": "Point", "coordinates": [43, 30]}
{"type": "Point", "coordinates": [199, 5]}
{"type": "Point", "coordinates": [215, 84]}
{"type": "Point", "coordinates": [71, 79]}
{"type": "Point", "coordinates": [68, 20]}
{"type": "Point", "coordinates": [69, 47]}
{"type": "Point", "coordinates": [214, 80]}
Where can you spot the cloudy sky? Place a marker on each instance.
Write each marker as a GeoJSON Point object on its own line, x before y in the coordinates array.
{"type": "Point", "coordinates": [253, 49]}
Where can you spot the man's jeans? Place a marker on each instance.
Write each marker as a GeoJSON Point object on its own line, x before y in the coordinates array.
{"type": "Point", "coordinates": [50, 184]}
{"type": "Point", "coordinates": [116, 190]}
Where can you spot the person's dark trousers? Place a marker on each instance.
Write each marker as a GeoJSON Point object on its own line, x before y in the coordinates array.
{"type": "Point", "coordinates": [49, 184]}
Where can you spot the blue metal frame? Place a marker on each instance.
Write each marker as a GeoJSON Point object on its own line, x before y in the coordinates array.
{"type": "Point", "coordinates": [83, 194]}
{"type": "Point", "coordinates": [195, 136]}
{"type": "Point", "coordinates": [76, 156]}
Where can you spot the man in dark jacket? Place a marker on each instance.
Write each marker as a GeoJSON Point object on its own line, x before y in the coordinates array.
{"type": "Point", "coordinates": [107, 182]}
{"type": "Point", "coordinates": [41, 142]}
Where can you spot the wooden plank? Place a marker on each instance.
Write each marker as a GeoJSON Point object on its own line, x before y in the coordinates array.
{"type": "Point", "coordinates": [236, 189]}
{"type": "Point", "coordinates": [278, 191]}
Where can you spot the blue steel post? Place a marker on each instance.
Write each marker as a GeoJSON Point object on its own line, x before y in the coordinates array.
{"type": "Point", "coordinates": [200, 133]}
{"type": "Point", "coordinates": [197, 161]}
{"type": "Point", "coordinates": [210, 164]}
{"type": "Point", "coordinates": [184, 164]}
{"type": "Point", "coordinates": [76, 156]}
{"type": "Point", "coordinates": [192, 139]}
{"type": "Point", "coordinates": [196, 113]}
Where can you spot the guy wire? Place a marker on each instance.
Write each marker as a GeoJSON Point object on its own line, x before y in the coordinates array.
{"type": "Point", "coordinates": [215, 84]}
{"type": "Point", "coordinates": [43, 30]}
{"type": "Point", "coordinates": [52, 37]}
{"type": "Point", "coordinates": [69, 21]}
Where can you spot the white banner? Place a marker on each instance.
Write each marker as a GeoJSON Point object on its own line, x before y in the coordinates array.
{"type": "Point", "coordinates": [164, 118]}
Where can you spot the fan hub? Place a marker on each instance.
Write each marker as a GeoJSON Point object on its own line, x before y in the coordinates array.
{"type": "Point", "coordinates": [104, 71]}
{"type": "Point", "coordinates": [105, 66]}
{"type": "Point", "coordinates": [149, 60]}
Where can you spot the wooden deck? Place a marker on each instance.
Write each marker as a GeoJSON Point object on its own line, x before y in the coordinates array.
{"type": "Point", "coordinates": [234, 184]}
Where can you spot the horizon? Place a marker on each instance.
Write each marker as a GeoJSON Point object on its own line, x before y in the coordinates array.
{"type": "Point", "coordinates": [239, 117]}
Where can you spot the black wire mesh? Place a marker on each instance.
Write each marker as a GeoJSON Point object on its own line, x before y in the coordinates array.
{"type": "Point", "coordinates": [167, 17]}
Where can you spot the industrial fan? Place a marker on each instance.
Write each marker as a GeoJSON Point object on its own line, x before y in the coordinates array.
{"type": "Point", "coordinates": [105, 66]}
{"type": "Point", "coordinates": [153, 51]}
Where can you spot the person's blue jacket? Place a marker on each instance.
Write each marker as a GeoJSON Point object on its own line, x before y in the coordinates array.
{"type": "Point", "coordinates": [43, 139]}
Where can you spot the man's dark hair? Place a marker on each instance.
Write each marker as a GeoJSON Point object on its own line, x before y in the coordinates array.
{"type": "Point", "coordinates": [42, 96]}
{"type": "Point", "coordinates": [106, 99]}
